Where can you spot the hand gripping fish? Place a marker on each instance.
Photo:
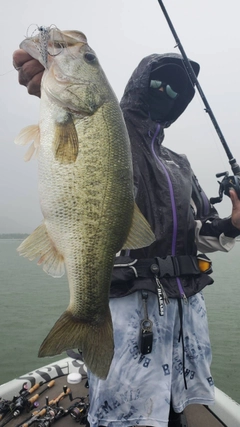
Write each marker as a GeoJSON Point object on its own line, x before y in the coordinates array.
{"type": "Point", "coordinates": [86, 193]}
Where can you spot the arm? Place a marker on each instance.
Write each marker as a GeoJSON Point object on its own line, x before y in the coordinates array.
{"type": "Point", "coordinates": [229, 226]}
{"type": "Point", "coordinates": [30, 71]}
{"type": "Point", "coordinates": [213, 233]}
{"type": "Point", "coordinates": [235, 218]}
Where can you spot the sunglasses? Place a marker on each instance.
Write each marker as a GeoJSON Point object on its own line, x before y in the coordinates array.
{"type": "Point", "coordinates": [156, 84]}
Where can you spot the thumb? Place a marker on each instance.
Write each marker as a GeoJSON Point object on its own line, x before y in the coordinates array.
{"type": "Point", "coordinates": [233, 196]}
{"type": "Point", "coordinates": [235, 208]}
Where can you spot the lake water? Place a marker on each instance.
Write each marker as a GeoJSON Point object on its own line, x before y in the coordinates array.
{"type": "Point", "coordinates": [31, 302]}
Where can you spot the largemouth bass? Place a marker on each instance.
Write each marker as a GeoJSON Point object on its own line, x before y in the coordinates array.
{"type": "Point", "coordinates": [86, 192]}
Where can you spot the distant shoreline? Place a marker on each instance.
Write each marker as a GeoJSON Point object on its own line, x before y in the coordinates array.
{"type": "Point", "coordinates": [13, 236]}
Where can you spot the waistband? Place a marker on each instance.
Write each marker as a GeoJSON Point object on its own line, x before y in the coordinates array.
{"type": "Point", "coordinates": [170, 266]}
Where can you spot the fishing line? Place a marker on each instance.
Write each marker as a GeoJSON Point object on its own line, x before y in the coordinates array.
{"type": "Point", "coordinates": [32, 34]}
{"type": "Point", "coordinates": [200, 104]}
{"type": "Point", "coordinates": [227, 181]}
{"type": "Point", "coordinates": [210, 129]}
{"type": "Point", "coordinates": [198, 98]}
{"type": "Point", "coordinates": [42, 40]}
{"type": "Point", "coordinates": [7, 72]}
{"type": "Point", "coordinates": [204, 115]}
{"type": "Point", "coordinates": [193, 79]}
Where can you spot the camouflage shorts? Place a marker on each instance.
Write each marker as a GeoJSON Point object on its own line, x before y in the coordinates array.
{"type": "Point", "coordinates": [139, 387]}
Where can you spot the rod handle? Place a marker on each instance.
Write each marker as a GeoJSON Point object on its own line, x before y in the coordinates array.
{"type": "Point", "coordinates": [39, 414]}
{"type": "Point", "coordinates": [51, 384]}
{"type": "Point", "coordinates": [33, 399]}
{"type": "Point", "coordinates": [61, 396]}
{"type": "Point", "coordinates": [35, 387]}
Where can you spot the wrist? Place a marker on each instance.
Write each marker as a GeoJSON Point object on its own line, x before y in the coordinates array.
{"type": "Point", "coordinates": [229, 229]}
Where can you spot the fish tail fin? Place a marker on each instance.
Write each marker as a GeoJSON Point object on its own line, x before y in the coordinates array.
{"type": "Point", "coordinates": [94, 340]}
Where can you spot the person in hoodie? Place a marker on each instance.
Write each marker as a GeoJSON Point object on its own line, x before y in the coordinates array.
{"type": "Point", "coordinates": [162, 353]}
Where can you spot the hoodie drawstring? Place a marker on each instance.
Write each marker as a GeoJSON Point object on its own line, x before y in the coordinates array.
{"type": "Point", "coordinates": [174, 239]}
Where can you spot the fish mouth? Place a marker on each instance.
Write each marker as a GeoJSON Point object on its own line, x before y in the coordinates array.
{"type": "Point", "coordinates": [50, 42]}
{"type": "Point", "coordinates": [62, 76]}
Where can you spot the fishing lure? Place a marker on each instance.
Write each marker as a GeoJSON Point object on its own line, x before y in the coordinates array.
{"type": "Point", "coordinates": [44, 35]}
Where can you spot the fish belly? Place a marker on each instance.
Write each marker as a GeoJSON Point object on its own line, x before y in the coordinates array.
{"type": "Point", "coordinates": [87, 207]}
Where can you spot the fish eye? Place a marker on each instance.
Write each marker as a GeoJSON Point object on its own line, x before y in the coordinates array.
{"type": "Point", "coordinates": [90, 57]}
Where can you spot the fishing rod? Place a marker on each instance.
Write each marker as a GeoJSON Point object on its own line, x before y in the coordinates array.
{"type": "Point", "coordinates": [21, 402]}
{"type": "Point", "coordinates": [51, 412]}
{"type": "Point", "coordinates": [14, 407]}
{"type": "Point", "coordinates": [228, 181]}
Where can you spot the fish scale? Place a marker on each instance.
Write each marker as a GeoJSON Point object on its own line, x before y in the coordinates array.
{"type": "Point", "coordinates": [86, 194]}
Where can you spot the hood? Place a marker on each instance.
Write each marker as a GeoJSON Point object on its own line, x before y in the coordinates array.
{"type": "Point", "coordinates": [168, 66]}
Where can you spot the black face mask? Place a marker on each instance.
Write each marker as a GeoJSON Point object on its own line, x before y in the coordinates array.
{"type": "Point", "coordinates": [159, 104]}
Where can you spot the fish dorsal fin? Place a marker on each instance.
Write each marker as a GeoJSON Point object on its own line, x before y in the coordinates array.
{"type": "Point", "coordinates": [140, 234]}
{"type": "Point", "coordinates": [39, 244]}
{"type": "Point", "coordinates": [65, 141]}
{"type": "Point", "coordinates": [26, 135]}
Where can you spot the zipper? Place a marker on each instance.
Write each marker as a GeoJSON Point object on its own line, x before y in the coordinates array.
{"type": "Point", "coordinates": [173, 206]}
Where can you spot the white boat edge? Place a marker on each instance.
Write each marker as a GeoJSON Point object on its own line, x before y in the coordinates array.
{"type": "Point", "coordinates": [44, 374]}
{"type": "Point", "coordinates": [225, 408]}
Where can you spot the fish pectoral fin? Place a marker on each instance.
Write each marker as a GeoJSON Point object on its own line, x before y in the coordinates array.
{"type": "Point", "coordinates": [65, 143]}
{"type": "Point", "coordinates": [26, 135]}
{"type": "Point", "coordinates": [39, 244]}
{"type": "Point", "coordinates": [94, 340]}
{"type": "Point", "coordinates": [140, 234]}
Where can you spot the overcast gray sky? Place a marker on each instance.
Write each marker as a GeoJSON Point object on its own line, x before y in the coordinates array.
{"type": "Point", "coordinates": [122, 32]}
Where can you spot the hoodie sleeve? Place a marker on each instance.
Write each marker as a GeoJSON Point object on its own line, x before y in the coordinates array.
{"type": "Point", "coordinates": [212, 233]}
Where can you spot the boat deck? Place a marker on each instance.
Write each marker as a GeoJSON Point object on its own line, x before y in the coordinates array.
{"type": "Point", "coordinates": [199, 416]}
{"type": "Point", "coordinates": [194, 415]}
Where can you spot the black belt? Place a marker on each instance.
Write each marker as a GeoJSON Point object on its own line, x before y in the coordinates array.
{"type": "Point", "coordinates": [171, 266]}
